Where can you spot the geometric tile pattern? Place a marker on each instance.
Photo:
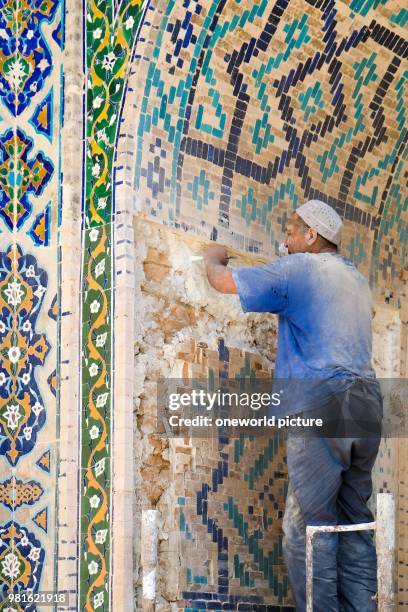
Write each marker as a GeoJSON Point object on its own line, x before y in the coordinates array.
{"type": "Point", "coordinates": [41, 519]}
{"type": "Point", "coordinates": [42, 117]}
{"type": "Point", "coordinates": [301, 100]}
{"type": "Point", "coordinates": [44, 462]}
{"type": "Point", "coordinates": [230, 507]}
{"type": "Point", "coordinates": [243, 110]}
{"type": "Point", "coordinates": [14, 492]}
{"type": "Point", "coordinates": [237, 113]}
{"type": "Point", "coordinates": [41, 227]}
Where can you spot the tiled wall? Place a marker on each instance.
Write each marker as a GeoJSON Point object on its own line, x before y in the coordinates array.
{"type": "Point", "coordinates": [234, 112]}
{"type": "Point", "coordinates": [32, 113]}
{"type": "Point", "coordinates": [241, 111]}
{"type": "Point", "coordinates": [230, 505]}
{"type": "Point", "coordinates": [109, 38]}
{"type": "Point", "coordinates": [61, 100]}
{"type": "Point", "coordinates": [221, 499]}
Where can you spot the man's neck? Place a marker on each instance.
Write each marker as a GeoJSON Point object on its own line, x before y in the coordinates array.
{"type": "Point", "coordinates": [328, 250]}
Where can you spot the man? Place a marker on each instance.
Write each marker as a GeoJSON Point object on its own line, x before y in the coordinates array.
{"type": "Point", "coordinates": [324, 336]}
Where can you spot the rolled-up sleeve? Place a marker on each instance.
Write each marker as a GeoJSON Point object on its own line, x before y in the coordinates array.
{"type": "Point", "coordinates": [262, 288]}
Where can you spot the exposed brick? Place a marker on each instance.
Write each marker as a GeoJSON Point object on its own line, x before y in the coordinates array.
{"type": "Point", "coordinates": [156, 256]}
{"type": "Point", "coordinates": [155, 272]}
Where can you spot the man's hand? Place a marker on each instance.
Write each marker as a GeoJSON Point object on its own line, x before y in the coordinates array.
{"type": "Point", "coordinates": [219, 277]}
{"type": "Point", "coordinates": [216, 254]}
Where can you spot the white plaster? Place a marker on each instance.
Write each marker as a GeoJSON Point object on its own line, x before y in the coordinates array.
{"type": "Point", "coordinates": [149, 585]}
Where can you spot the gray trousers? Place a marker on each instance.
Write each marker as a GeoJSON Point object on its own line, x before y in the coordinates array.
{"type": "Point", "coordinates": [330, 484]}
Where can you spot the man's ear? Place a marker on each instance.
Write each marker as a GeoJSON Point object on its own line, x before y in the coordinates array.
{"type": "Point", "coordinates": [311, 236]}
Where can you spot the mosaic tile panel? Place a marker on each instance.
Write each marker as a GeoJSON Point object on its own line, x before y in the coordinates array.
{"type": "Point", "coordinates": [35, 173]}
{"type": "Point", "coordinates": [238, 112]}
{"type": "Point", "coordinates": [248, 109]}
{"type": "Point", "coordinates": [22, 287]}
{"type": "Point", "coordinates": [230, 506]}
{"type": "Point", "coordinates": [25, 53]}
{"type": "Point", "coordinates": [109, 38]}
{"type": "Point", "coordinates": [32, 99]}
{"type": "Point", "coordinates": [275, 102]}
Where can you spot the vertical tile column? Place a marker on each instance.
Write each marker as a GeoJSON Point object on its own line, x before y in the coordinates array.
{"type": "Point", "coordinates": [31, 111]}
{"type": "Point", "coordinates": [105, 574]}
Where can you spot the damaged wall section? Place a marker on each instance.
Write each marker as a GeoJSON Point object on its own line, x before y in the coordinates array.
{"type": "Point", "coordinates": [220, 501]}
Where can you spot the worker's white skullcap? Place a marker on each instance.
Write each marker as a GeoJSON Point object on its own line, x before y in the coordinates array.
{"type": "Point", "coordinates": [323, 218]}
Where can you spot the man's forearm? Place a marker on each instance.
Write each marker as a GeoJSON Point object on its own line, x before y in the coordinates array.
{"type": "Point", "coordinates": [220, 277]}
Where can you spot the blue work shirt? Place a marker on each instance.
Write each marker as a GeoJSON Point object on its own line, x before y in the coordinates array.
{"type": "Point", "coordinates": [324, 308]}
